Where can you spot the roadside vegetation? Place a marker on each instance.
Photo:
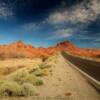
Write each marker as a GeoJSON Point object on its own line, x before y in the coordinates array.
{"type": "Point", "coordinates": [19, 83]}
{"type": "Point", "coordinates": [23, 81]}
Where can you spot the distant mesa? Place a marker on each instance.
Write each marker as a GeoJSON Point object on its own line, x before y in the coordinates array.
{"type": "Point", "coordinates": [20, 49]}
{"type": "Point", "coordinates": [65, 44]}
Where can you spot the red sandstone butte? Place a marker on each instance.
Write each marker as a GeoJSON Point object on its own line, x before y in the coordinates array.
{"type": "Point", "coordinates": [19, 49]}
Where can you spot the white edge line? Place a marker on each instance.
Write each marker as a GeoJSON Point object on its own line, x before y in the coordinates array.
{"type": "Point", "coordinates": [91, 79]}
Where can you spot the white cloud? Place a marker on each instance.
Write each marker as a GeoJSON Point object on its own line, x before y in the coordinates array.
{"type": "Point", "coordinates": [61, 33]}
{"type": "Point", "coordinates": [76, 17]}
{"type": "Point", "coordinates": [56, 18]}
{"type": "Point", "coordinates": [29, 27]}
{"type": "Point", "coordinates": [5, 11]}
{"type": "Point", "coordinates": [83, 12]}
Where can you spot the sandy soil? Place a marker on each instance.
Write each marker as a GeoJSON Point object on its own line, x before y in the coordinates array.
{"type": "Point", "coordinates": [10, 65]}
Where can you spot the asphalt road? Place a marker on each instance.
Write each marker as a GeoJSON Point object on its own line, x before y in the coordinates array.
{"type": "Point", "coordinates": [90, 67]}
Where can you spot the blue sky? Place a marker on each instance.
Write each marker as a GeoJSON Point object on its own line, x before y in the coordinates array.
{"type": "Point", "coordinates": [46, 22]}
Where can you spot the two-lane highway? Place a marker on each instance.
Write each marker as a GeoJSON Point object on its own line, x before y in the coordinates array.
{"type": "Point", "coordinates": [91, 67]}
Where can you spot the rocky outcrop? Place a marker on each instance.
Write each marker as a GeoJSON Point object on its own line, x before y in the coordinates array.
{"type": "Point", "coordinates": [19, 49]}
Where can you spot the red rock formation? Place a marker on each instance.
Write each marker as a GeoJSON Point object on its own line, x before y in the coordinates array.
{"type": "Point", "coordinates": [19, 49]}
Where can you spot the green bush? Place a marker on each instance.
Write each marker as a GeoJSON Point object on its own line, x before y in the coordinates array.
{"type": "Point", "coordinates": [24, 77]}
{"type": "Point", "coordinates": [33, 80]}
{"type": "Point", "coordinates": [37, 72]}
{"type": "Point", "coordinates": [19, 76]}
{"type": "Point", "coordinates": [20, 83]}
{"type": "Point", "coordinates": [9, 88]}
{"type": "Point", "coordinates": [42, 66]}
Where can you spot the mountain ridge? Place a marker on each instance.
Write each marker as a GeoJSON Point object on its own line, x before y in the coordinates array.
{"type": "Point", "coordinates": [20, 49]}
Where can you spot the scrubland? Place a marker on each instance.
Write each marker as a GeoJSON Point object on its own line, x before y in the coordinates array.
{"type": "Point", "coordinates": [43, 79]}
{"type": "Point", "coordinates": [21, 77]}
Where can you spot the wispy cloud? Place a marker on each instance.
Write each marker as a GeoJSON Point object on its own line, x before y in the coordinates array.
{"type": "Point", "coordinates": [84, 12]}
{"type": "Point", "coordinates": [60, 19]}
{"type": "Point", "coordinates": [30, 27]}
{"type": "Point", "coordinates": [76, 19]}
{"type": "Point", "coordinates": [61, 33]}
{"type": "Point", "coordinates": [5, 11]}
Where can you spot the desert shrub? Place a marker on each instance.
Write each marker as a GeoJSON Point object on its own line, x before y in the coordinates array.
{"type": "Point", "coordinates": [33, 80]}
{"type": "Point", "coordinates": [53, 58]}
{"type": "Point", "coordinates": [37, 72]}
{"type": "Point", "coordinates": [38, 82]}
{"type": "Point", "coordinates": [42, 66]}
{"type": "Point", "coordinates": [18, 76]}
{"type": "Point", "coordinates": [45, 72]}
{"type": "Point", "coordinates": [27, 89]}
{"type": "Point", "coordinates": [20, 83]}
{"type": "Point", "coordinates": [23, 76]}
{"type": "Point", "coordinates": [32, 70]}
{"type": "Point", "coordinates": [9, 88]}
{"type": "Point", "coordinates": [40, 72]}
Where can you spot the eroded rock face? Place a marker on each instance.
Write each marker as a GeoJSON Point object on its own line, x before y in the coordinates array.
{"type": "Point", "coordinates": [19, 49]}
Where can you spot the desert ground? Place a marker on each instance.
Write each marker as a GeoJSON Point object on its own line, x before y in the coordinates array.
{"type": "Point", "coordinates": [38, 79]}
